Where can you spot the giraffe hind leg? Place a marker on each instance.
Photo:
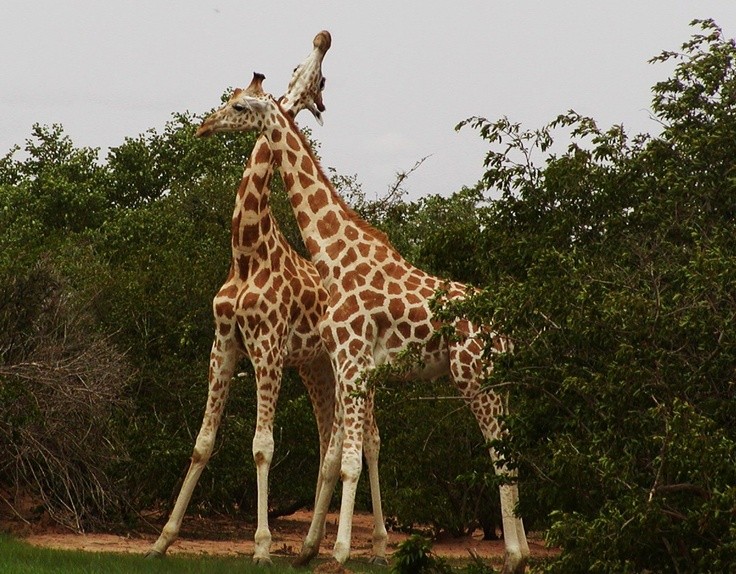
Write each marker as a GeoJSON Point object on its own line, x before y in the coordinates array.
{"type": "Point", "coordinates": [371, 450]}
{"type": "Point", "coordinates": [319, 380]}
{"type": "Point", "coordinates": [487, 406]}
{"type": "Point", "coordinates": [514, 537]}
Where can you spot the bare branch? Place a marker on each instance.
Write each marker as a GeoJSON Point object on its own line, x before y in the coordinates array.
{"type": "Point", "coordinates": [395, 191]}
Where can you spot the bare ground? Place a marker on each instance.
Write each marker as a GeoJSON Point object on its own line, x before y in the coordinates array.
{"type": "Point", "coordinates": [231, 537]}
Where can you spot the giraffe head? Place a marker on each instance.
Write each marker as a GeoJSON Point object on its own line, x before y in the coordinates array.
{"type": "Point", "coordinates": [307, 82]}
{"type": "Point", "coordinates": [250, 109]}
{"type": "Point", "coordinates": [245, 110]}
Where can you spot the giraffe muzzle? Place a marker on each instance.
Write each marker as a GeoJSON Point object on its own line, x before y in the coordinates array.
{"type": "Point", "coordinates": [204, 131]}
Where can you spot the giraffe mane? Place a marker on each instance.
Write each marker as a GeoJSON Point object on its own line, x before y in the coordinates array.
{"type": "Point", "coordinates": [349, 211]}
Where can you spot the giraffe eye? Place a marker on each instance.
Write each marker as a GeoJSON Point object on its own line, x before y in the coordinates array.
{"type": "Point", "coordinates": [240, 107]}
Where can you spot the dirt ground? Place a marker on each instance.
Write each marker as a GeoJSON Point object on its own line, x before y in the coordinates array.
{"type": "Point", "coordinates": [229, 537]}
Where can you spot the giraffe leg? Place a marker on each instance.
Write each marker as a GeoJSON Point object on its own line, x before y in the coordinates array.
{"type": "Point", "coordinates": [350, 473]}
{"type": "Point", "coordinates": [223, 360]}
{"type": "Point", "coordinates": [330, 473]}
{"type": "Point", "coordinates": [268, 381]}
{"type": "Point", "coordinates": [486, 407]}
{"type": "Point", "coordinates": [320, 383]}
{"type": "Point", "coordinates": [517, 547]}
{"type": "Point", "coordinates": [514, 537]}
{"type": "Point", "coordinates": [354, 420]}
{"type": "Point", "coordinates": [371, 449]}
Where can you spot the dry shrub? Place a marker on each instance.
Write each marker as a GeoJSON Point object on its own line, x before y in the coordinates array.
{"type": "Point", "coordinates": [62, 402]}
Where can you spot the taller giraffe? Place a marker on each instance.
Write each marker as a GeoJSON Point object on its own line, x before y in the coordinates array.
{"type": "Point", "coordinates": [378, 306]}
{"type": "Point", "coordinates": [269, 309]}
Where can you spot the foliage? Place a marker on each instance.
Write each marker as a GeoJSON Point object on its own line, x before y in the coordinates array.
{"type": "Point", "coordinates": [414, 556]}
{"type": "Point", "coordinates": [610, 262]}
{"type": "Point", "coordinates": [612, 267]}
{"type": "Point", "coordinates": [448, 484]}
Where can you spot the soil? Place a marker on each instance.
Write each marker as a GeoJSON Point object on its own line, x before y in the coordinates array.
{"type": "Point", "coordinates": [226, 536]}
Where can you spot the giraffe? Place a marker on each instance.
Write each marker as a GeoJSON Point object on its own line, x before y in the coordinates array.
{"type": "Point", "coordinates": [268, 309]}
{"type": "Point", "coordinates": [378, 306]}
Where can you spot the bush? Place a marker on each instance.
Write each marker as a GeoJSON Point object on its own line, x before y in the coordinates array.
{"type": "Point", "coordinates": [447, 483]}
{"type": "Point", "coordinates": [62, 401]}
{"type": "Point", "coordinates": [613, 272]}
{"type": "Point", "coordinates": [414, 556]}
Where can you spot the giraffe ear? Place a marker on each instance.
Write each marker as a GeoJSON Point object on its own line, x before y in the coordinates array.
{"type": "Point", "coordinates": [316, 113]}
{"type": "Point", "coordinates": [257, 105]}
{"type": "Point", "coordinates": [316, 105]}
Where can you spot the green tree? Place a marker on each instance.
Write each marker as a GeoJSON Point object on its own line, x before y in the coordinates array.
{"type": "Point", "coordinates": [613, 269]}
{"type": "Point", "coordinates": [141, 242]}
{"type": "Point", "coordinates": [57, 190]}
{"type": "Point", "coordinates": [447, 485]}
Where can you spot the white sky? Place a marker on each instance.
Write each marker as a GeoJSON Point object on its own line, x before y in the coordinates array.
{"type": "Point", "coordinates": [400, 74]}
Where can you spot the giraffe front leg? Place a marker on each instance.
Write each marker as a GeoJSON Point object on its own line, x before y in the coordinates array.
{"type": "Point", "coordinates": [222, 363]}
{"type": "Point", "coordinates": [371, 450]}
{"type": "Point", "coordinates": [268, 380]}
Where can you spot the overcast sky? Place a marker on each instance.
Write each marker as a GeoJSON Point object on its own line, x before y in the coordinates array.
{"type": "Point", "coordinates": [400, 74]}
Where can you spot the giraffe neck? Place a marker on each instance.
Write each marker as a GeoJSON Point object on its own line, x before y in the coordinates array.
{"type": "Point", "coordinates": [335, 236]}
{"type": "Point", "coordinates": [252, 223]}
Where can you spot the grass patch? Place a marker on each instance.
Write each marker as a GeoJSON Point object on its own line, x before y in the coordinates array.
{"type": "Point", "coordinates": [18, 557]}
{"type": "Point", "coordinates": [21, 558]}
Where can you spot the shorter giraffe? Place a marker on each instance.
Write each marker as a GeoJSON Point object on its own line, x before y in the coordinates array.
{"type": "Point", "coordinates": [378, 307]}
{"type": "Point", "coordinates": [268, 309]}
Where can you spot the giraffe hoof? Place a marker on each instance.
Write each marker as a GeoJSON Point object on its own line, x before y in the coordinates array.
{"type": "Point", "coordinates": [300, 561]}
{"type": "Point", "coordinates": [154, 555]}
{"type": "Point", "coordinates": [378, 560]}
{"type": "Point", "coordinates": [303, 559]}
{"type": "Point", "coordinates": [263, 561]}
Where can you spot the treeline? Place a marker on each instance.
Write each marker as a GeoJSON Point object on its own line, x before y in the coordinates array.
{"type": "Point", "coordinates": [611, 264]}
{"type": "Point", "coordinates": [107, 271]}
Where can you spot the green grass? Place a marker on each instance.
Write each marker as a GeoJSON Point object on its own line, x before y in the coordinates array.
{"type": "Point", "coordinates": [17, 557]}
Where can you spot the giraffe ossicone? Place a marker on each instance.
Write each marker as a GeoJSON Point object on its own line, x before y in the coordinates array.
{"type": "Point", "coordinates": [378, 306]}
{"type": "Point", "coordinates": [268, 310]}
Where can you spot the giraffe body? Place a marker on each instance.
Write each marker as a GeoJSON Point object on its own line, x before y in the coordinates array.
{"type": "Point", "coordinates": [268, 310]}
{"type": "Point", "coordinates": [378, 306]}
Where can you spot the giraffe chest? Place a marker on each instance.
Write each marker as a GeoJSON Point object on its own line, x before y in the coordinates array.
{"type": "Point", "coordinates": [276, 304]}
{"type": "Point", "coordinates": [283, 330]}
